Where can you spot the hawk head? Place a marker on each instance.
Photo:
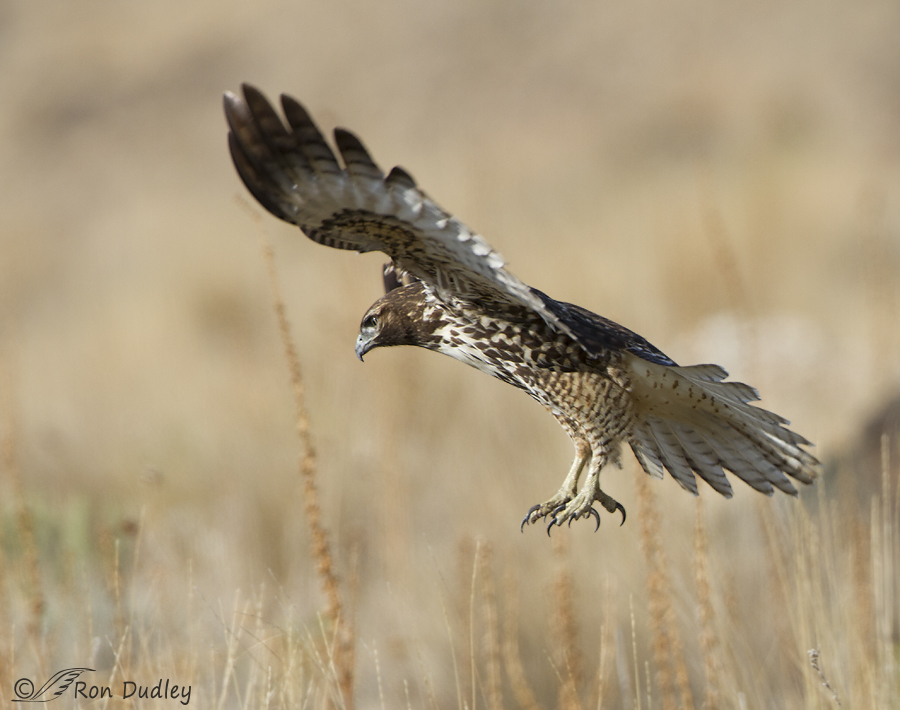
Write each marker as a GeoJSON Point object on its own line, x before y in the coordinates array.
{"type": "Point", "coordinates": [399, 318]}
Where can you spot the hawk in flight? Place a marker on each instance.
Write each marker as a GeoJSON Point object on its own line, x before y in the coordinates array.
{"type": "Point", "coordinates": [447, 290]}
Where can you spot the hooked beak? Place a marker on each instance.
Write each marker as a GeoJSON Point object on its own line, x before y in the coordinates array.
{"type": "Point", "coordinates": [363, 345]}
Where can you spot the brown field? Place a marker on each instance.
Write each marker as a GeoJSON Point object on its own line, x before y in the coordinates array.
{"type": "Point", "coordinates": [722, 177]}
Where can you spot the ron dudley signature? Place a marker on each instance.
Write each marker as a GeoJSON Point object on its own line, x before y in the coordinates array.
{"type": "Point", "coordinates": [59, 683]}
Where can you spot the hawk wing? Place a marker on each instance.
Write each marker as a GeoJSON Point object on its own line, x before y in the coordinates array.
{"type": "Point", "coordinates": [295, 175]}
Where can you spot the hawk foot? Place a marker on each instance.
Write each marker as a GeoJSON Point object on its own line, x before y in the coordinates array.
{"type": "Point", "coordinates": [566, 510]}
{"type": "Point", "coordinates": [542, 510]}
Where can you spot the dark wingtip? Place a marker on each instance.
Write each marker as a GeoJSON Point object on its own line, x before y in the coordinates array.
{"type": "Point", "coordinates": [398, 176]}
{"type": "Point", "coordinates": [252, 93]}
{"type": "Point", "coordinates": [296, 113]}
{"type": "Point", "coordinates": [342, 135]}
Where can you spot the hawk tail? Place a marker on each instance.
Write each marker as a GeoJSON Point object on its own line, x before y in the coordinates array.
{"type": "Point", "coordinates": [690, 422]}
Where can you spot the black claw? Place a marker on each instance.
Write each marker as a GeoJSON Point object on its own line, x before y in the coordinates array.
{"type": "Point", "coordinates": [621, 507]}
{"type": "Point", "coordinates": [597, 516]}
{"type": "Point", "coordinates": [552, 523]}
{"type": "Point", "coordinates": [527, 519]}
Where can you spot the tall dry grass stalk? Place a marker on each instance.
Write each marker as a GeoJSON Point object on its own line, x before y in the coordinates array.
{"type": "Point", "coordinates": [30, 570]}
{"type": "Point", "coordinates": [814, 662]}
{"type": "Point", "coordinates": [493, 688]}
{"type": "Point", "coordinates": [862, 613]}
{"type": "Point", "coordinates": [341, 649]}
{"type": "Point", "coordinates": [607, 644]}
{"type": "Point", "coordinates": [624, 680]}
{"type": "Point", "coordinates": [473, 654]}
{"type": "Point", "coordinates": [710, 648]}
{"type": "Point", "coordinates": [568, 657]}
{"type": "Point", "coordinates": [668, 651]}
{"type": "Point", "coordinates": [512, 658]}
{"type": "Point", "coordinates": [885, 548]}
{"type": "Point", "coordinates": [657, 588]}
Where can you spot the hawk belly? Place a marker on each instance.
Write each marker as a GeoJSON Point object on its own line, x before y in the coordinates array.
{"type": "Point", "coordinates": [589, 396]}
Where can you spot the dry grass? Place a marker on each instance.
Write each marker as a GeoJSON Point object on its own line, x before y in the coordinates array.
{"type": "Point", "coordinates": [668, 651]}
{"type": "Point", "coordinates": [710, 647]}
{"type": "Point", "coordinates": [339, 645]}
{"type": "Point", "coordinates": [723, 178]}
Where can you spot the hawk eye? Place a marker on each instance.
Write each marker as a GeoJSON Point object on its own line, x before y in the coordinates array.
{"type": "Point", "coordinates": [370, 322]}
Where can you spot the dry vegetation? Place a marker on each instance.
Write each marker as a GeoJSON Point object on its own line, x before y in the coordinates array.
{"type": "Point", "coordinates": [722, 177]}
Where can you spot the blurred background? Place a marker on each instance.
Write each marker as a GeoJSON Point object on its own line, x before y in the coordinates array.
{"type": "Point", "coordinates": [721, 177]}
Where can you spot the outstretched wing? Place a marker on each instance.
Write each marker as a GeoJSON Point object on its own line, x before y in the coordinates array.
{"type": "Point", "coordinates": [295, 175]}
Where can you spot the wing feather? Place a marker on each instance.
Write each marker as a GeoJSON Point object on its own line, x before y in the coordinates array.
{"type": "Point", "coordinates": [309, 140]}
{"type": "Point", "coordinates": [400, 178]}
{"type": "Point", "coordinates": [702, 457]}
{"type": "Point", "coordinates": [254, 181]}
{"type": "Point", "coordinates": [732, 452]}
{"type": "Point", "coordinates": [358, 161]}
{"type": "Point", "coordinates": [673, 455]}
{"type": "Point", "coordinates": [597, 335]}
{"type": "Point", "coordinates": [295, 175]}
{"type": "Point", "coordinates": [647, 450]}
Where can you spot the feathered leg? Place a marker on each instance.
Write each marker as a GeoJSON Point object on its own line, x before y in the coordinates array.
{"type": "Point", "coordinates": [582, 505]}
{"type": "Point", "coordinates": [570, 504]}
{"type": "Point", "coordinates": [567, 491]}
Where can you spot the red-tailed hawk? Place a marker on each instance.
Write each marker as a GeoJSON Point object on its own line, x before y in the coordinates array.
{"type": "Point", "coordinates": [448, 291]}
